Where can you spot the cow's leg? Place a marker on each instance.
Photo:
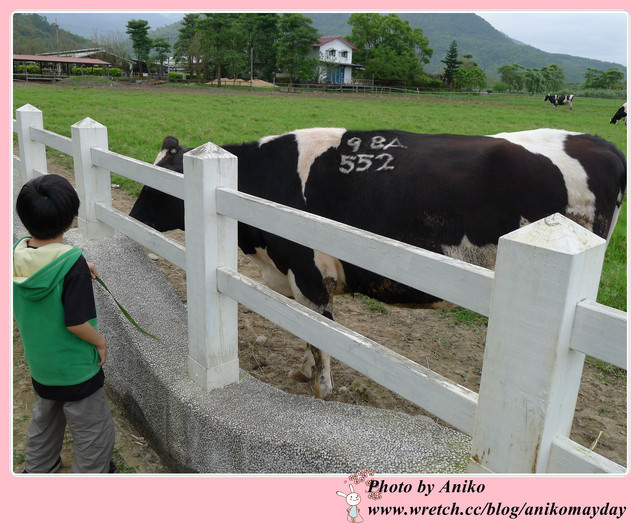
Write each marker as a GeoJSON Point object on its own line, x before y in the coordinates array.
{"type": "Point", "coordinates": [317, 367]}
{"type": "Point", "coordinates": [322, 385]}
{"type": "Point", "coordinates": [305, 372]}
{"type": "Point", "coordinates": [316, 364]}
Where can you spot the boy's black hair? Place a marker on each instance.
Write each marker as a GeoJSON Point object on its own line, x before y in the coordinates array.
{"type": "Point", "coordinates": [47, 206]}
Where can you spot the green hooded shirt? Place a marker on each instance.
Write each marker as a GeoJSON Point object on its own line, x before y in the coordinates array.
{"type": "Point", "coordinates": [56, 357]}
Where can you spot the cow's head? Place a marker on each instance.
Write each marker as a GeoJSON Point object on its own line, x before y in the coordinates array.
{"type": "Point", "coordinates": [156, 208]}
{"type": "Point", "coordinates": [548, 97]}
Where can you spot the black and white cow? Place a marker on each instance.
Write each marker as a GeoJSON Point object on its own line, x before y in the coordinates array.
{"type": "Point", "coordinates": [450, 194]}
{"type": "Point", "coordinates": [560, 100]}
{"type": "Point", "coordinates": [621, 114]}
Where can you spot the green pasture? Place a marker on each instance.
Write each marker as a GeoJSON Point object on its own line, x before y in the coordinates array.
{"type": "Point", "coordinates": [138, 120]}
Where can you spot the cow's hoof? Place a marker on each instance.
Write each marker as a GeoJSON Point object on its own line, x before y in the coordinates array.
{"type": "Point", "coordinates": [298, 375]}
{"type": "Point", "coordinates": [324, 395]}
{"type": "Point", "coordinates": [322, 390]}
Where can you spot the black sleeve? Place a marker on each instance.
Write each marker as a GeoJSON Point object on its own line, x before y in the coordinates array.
{"type": "Point", "coordinates": [77, 294]}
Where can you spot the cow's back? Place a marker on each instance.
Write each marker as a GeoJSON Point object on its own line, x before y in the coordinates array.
{"type": "Point", "coordinates": [449, 194]}
{"type": "Point", "coordinates": [433, 190]}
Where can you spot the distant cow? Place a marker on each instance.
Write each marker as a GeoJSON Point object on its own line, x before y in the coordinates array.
{"type": "Point", "coordinates": [451, 194]}
{"type": "Point", "coordinates": [621, 114]}
{"type": "Point", "coordinates": [560, 100]}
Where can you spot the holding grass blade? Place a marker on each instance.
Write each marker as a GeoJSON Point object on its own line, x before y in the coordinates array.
{"type": "Point", "coordinates": [123, 310]}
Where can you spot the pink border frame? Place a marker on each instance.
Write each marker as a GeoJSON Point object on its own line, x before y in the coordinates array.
{"type": "Point", "coordinates": [281, 499]}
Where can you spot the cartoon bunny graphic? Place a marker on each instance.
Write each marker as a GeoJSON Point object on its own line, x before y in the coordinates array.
{"type": "Point", "coordinates": [353, 512]}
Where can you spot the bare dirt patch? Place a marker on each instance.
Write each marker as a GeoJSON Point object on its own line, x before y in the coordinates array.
{"type": "Point", "coordinates": [445, 342]}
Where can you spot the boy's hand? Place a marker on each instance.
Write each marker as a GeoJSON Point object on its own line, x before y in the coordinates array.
{"type": "Point", "coordinates": [92, 269]}
{"type": "Point", "coordinates": [88, 333]}
{"type": "Point", "coordinates": [102, 352]}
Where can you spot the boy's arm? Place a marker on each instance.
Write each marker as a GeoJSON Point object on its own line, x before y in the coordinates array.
{"type": "Point", "coordinates": [88, 333]}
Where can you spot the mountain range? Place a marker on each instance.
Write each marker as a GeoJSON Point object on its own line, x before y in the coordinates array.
{"type": "Point", "coordinates": [474, 35]}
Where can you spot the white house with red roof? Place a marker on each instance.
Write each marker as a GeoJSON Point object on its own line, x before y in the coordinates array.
{"type": "Point", "coordinates": [335, 54]}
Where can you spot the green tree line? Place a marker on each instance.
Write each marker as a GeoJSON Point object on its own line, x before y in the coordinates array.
{"type": "Point", "coordinates": [551, 78]}
{"type": "Point", "coordinates": [388, 51]}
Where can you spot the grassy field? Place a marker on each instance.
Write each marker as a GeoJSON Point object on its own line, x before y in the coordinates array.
{"type": "Point", "coordinates": [138, 120]}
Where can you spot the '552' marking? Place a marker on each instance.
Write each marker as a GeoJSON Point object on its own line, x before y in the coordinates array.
{"type": "Point", "coordinates": [364, 161]}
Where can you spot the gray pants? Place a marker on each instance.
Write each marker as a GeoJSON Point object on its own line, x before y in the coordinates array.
{"type": "Point", "coordinates": [91, 426]}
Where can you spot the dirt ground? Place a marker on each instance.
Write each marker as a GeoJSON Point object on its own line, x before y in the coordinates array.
{"type": "Point", "coordinates": [444, 341]}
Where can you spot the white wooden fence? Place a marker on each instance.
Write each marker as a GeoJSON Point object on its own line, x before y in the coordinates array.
{"type": "Point", "coordinates": [540, 300]}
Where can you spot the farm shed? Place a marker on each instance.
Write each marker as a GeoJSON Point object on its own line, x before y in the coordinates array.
{"type": "Point", "coordinates": [52, 67]}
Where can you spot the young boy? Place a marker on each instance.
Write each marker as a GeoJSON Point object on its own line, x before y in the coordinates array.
{"type": "Point", "coordinates": [55, 311]}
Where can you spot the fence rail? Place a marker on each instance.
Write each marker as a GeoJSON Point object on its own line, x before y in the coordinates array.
{"type": "Point", "coordinates": [456, 281]}
{"type": "Point", "coordinates": [601, 332]}
{"type": "Point", "coordinates": [529, 342]}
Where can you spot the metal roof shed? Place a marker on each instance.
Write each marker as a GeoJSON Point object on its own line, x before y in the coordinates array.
{"type": "Point", "coordinates": [52, 67]}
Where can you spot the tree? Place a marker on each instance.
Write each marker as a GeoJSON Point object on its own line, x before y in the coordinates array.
{"type": "Point", "coordinates": [451, 64]}
{"type": "Point", "coordinates": [534, 81]}
{"type": "Point", "coordinates": [294, 46]}
{"type": "Point", "coordinates": [222, 44]}
{"type": "Point", "coordinates": [211, 32]}
{"type": "Point", "coordinates": [138, 31]}
{"type": "Point", "coordinates": [469, 75]}
{"type": "Point", "coordinates": [615, 78]}
{"type": "Point", "coordinates": [548, 79]}
{"type": "Point", "coordinates": [554, 78]}
{"type": "Point", "coordinates": [262, 34]}
{"type": "Point", "coordinates": [597, 79]}
{"type": "Point", "coordinates": [389, 48]}
{"type": "Point", "coordinates": [188, 46]}
{"type": "Point", "coordinates": [237, 56]}
{"type": "Point", "coordinates": [162, 48]}
{"type": "Point", "coordinates": [513, 76]}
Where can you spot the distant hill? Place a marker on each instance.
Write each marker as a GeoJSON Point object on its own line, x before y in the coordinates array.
{"type": "Point", "coordinates": [90, 24]}
{"type": "Point", "coordinates": [33, 34]}
{"type": "Point", "coordinates": [474, 35]}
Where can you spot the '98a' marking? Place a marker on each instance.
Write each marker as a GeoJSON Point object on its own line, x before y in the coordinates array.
{"type": "Point", "coordinates": [365, 161]}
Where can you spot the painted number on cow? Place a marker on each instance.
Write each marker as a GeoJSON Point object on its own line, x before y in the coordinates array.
{"type": "Point", "coordinates": [360, 162]}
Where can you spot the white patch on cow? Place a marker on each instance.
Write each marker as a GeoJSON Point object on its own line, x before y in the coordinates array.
{"type": "Point", "coordinates": [330, 268]}
{"type": "Point", "coordinates": [268, 138]}
{"type": "Point", "coordinates": [550, 143]}
{"type": "Point", "coordinates": [467, 251]}
{"type": "Point", "coordinates": [160, 156]}
{"type": "Point", "coordinates": [273, 277]}
{"type": "Point", "coordinates": [311, 144]}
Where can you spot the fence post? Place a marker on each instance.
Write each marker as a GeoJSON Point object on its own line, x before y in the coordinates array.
{"type": "Point", "coordinates": [93, 183]}
{"type": "Point", "coordinates": [32, 154]}
{"type": "Point", "coordinates": [211, 241]}
{"type": "Point", "coordinates": [530, 377]}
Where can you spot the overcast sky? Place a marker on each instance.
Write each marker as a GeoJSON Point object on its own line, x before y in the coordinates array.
{"type": "Point", "coordinates": [596, 34]}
